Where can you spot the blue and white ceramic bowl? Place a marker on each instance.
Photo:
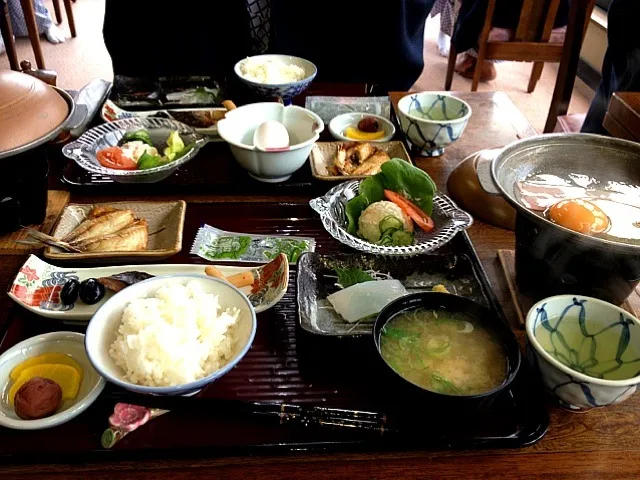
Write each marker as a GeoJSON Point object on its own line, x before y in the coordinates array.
{"type": "Point", "coordinates": [285, 91]}
{"type": "Point", "coordinates": [103, 330]}
{"type": "Point", "coordinates": [432, 121]}
{"type": "Point", "coordinates": [587, 351]}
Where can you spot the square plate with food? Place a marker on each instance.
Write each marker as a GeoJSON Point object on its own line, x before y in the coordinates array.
{"type": "Point", "coordinates": [341, 294]}
{"type": "Point", "coordinates": [340, 161]}
{"type": "Point", "coordinates": [117, 231]}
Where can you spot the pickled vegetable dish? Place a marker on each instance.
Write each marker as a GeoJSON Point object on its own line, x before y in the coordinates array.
{"type": "Point", "coordinates": [136, 151]}
{"type": "Point", "coordinates": [443, 352]}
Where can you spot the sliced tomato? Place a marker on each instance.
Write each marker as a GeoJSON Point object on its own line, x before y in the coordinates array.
{"type": "Point", "coordinates": [416, 214]}
{"type": "Point", "coordinates": [112, 157]}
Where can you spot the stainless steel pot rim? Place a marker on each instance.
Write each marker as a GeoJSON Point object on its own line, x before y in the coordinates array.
{"type": "Point", "coordinates": [49, 136]}
{"type": "Point", "coordinates": [560, 138]}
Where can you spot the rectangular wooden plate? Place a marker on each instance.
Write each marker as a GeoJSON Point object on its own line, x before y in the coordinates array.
{"type": "Point", "coordinates": [166, 218]}
{"type": "Point", "coordinates": [322, 154]}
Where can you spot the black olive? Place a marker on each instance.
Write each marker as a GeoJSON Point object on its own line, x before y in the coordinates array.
{"type": "Point", "coordinates": [91, 291]}
{"type": "Point", "coordinates": [69, 292]}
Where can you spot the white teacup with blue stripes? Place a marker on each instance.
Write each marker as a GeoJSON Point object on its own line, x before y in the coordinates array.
{"type": "Point", "coordinates": [432, 121]}
{"type": "Point", "coordinates": [587, 351]}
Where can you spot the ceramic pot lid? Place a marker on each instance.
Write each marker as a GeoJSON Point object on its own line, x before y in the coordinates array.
{"type": "Point", "coordinates": [29, 109]}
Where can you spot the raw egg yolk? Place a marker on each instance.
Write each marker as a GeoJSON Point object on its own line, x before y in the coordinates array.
{"type": "Point", "coordinates": [579, 215]}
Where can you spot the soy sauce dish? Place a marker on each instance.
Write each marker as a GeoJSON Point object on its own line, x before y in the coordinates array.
{"type": "Point", "coordinates": [445, 348]}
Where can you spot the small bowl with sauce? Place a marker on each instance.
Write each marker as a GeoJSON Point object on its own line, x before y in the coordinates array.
{"type": "Point", "coordinates": [446, 348]}
{"type": "Point", "coordinates": [361, 127]}
{"type": "Point", "coordinates": [586, 350]}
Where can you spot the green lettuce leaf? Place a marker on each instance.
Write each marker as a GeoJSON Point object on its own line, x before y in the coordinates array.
{"type": "Point", "coordinates": [411, 182]}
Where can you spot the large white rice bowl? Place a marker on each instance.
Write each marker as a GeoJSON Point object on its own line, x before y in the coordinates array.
{"type": "Point", "coordinates": [170, 335]}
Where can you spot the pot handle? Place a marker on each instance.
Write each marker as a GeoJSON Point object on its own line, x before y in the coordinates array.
{"type": "Point", "coordinates": [79, 116]}
{"type": "Point", "coordinates": [483, 169]}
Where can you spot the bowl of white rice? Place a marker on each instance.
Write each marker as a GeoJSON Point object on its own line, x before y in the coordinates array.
{"type": "Point", "coordinates": [276, 76]}
{"type": "Point", "coordinates": [171, 335]}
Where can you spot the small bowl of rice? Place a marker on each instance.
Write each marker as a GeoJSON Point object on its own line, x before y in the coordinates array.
{"type": "Point", "coordinates": [171, 335]}
{"type": "Point", "coordinates": [276, 76]}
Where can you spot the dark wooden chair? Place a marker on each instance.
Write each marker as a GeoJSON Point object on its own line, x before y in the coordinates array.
{"type": "Point", "coordinates": [69, 9]}
{"type": "Point", "coordinates": [530, 43]}
{"type": "Point", "coordinates": [7, 33]}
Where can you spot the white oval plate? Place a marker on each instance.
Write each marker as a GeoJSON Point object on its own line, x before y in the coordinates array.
{"type": "Point", "coordinates": [37, 285]}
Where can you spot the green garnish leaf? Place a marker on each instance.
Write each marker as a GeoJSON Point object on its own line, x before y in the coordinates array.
{"type": "Point", "coordinates": [138, 135]}
{"type": "Point", "coordinates": [147, 161]}
{"type": "Point", "coordinates": [445, 386]}
{"type": "Point", "coordinates": [352, 276]}
{"type": "Point", "coordinates": [354, 209]}
{"type": "Point", "coordinates": [409, 181]}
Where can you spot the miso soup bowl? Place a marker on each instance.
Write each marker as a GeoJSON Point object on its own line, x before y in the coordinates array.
{"type": "Point", "coordinates": [432, 121]}
{"type": "Point", "coordinates": [454, 304]}
{"type": "Point", "coordinates": [583, 382]}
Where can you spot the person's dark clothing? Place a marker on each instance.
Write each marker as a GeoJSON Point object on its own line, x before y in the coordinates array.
{"type": "Point", "coordinates": [621, 66]}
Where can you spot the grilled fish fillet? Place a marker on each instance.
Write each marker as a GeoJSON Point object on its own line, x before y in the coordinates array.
{"type": "Point", "coordinates": [100, 226]}
{"type": "Point", "coordinates": [371, 165]}
{"type": "Point", "coordinates": [133, 238]}
{"type": "Point", "coordinates": [100, 210]}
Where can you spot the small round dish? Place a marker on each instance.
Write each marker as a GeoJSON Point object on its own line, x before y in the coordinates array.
{"type": "Point", "coordinates": [287, 90]}
{"type": "Point", "coordinates": [597, 340]}
{"type": "Point", "coordinates": [339, 123]}
{"type": "Point", "coordinates": [85, 148]}
{"type": "Point", "coordinates": [455, 304]}
{"type": "Point", "coordinates": [102, 330]}
{"type": "Point", "coordinates": [447, 217]}
{"type": "Point", "coordinates": [71, 343]}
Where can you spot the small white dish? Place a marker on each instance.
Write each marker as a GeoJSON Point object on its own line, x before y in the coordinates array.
{"type": "Point", "coordinates": [71, 343]}
{"type": "Point", "coordinates": [339, 123]}
{"type": "Point", "coordinates": [103, 327]}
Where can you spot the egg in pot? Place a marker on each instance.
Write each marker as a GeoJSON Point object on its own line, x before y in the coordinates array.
{"type": "Point", "coordinates": [579, 215]}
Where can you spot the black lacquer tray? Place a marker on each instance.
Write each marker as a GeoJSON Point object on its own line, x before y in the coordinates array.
{"type": "Point", "coordinates": [287, 365]}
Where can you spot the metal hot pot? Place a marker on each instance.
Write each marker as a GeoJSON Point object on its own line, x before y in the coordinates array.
{"type": "Point", "coordinates": [551, 259]}
{"type": "Point", "coordinates": [32, 113]}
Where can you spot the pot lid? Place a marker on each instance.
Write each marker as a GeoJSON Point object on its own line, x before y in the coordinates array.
{"type": "Point", "coordinates": [29, 109]}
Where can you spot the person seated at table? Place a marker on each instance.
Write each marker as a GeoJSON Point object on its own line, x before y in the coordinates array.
{"type": "Point", "coordinates": [349, 42]}
{"type": "Point", "coordinates": [44, 22]}
{"type": "Point", "coordinates": [506, 17]}
{"type": "Point", "coordinates": [621, 65]}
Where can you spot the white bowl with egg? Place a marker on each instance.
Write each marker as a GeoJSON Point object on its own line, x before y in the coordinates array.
{"type": "Point", "coordinates": [69, 343]}
{"type": "Point", "coordinates": [276, 76]}
{"type": "Point", "coordinates": [271, 160]}
{"type": "Point", "coordinates": [170, 335]}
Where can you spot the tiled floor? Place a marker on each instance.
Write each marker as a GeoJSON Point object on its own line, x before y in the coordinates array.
{"type": "Point", "coordinates": [84, 58]}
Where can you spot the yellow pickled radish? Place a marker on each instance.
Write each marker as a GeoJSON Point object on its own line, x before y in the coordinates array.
{"type": "Point", "coordinates": [64, 375]}
{"type": "Point", "coordinates": [355, 134]}
{"type": "Point", "coordinates": [51, 357]}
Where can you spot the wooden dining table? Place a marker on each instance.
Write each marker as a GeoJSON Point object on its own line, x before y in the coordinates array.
{"type": "Point", "coordinates": [622, 119]}
{"type": "Point", "coordinates": [598, 444]}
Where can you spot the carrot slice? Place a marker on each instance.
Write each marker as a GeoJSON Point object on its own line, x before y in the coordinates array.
{"type": "Point", "coordinates": [424, 221]}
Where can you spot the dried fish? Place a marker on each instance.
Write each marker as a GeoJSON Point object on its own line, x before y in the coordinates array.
{"type": "Point", "coordinates": [122, 280]}
{"type": "Point", "coordinates": [358, 159]}
{"type": "Point", "coordinates": [133, 238]}
{"type": "Point", "coordinates": [100, 210]}
{"type": "Point", "coordinates": [100, 226]}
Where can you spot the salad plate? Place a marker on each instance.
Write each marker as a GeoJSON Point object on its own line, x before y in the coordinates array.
{"type": "Point", "coordinates": [38, 285]}
{"type": "Point", "coordinates": [447, 218]}
{"type": "Point", "coordinates": [159, 132]}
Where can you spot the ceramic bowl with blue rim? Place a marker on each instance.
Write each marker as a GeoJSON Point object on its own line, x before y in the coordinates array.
{"type": "Point", "coordinates": [251, 68]}
{"type": "Point", "coordinates": [587, 351]}
{"type": "Point", "coordinates": [432, 121]}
